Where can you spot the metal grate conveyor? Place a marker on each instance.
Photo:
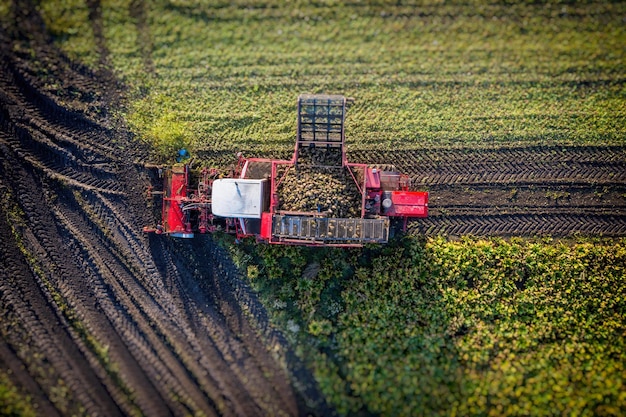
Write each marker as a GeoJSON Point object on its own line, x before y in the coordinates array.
{"type": "Point", "coordinates": [331, 230]}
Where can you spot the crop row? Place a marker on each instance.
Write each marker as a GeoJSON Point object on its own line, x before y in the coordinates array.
{"type": "Point", "coordinates": [224, 77]}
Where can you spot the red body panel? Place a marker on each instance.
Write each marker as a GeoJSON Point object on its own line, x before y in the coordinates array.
{"type": "Point", "coordinates": [175, 192]}
{"type": "Point", "coordinates": [408, 204]}
{"type": "Point", "coordinates": [266, 226]}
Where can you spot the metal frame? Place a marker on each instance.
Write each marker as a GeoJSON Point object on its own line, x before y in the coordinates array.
{"type": "Point", "coordinates": [330, 103]}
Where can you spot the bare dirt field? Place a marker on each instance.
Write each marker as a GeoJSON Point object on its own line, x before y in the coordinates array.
{"type": "Point", "coordinates": [99, 319]}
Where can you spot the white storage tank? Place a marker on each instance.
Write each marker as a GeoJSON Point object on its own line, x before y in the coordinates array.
{"type": "Point", "coordinates": [238, 197]}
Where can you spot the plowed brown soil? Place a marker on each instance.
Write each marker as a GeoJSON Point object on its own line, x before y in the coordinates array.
{"type": "Point", "coordinates": [97, 318]}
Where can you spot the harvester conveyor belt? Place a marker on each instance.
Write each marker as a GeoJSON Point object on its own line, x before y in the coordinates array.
{"type": "Point", "coordinates": [327, 230]}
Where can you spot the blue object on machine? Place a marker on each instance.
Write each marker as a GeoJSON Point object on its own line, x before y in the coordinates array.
{"type": "Point", "coordinates": [182, 155]}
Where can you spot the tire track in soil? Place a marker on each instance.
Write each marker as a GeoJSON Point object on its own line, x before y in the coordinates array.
{"type": "Point", "coordinates": [153, 357]}
{"type": "Point", "coordinates": [17, 330]}
{"type": "Point", "coordinates": [523, 225]}
{"type": "Point", "coordinates": [572, 165]}
{"type": "Point", "coordinates": [39, 312]}
{"type": "Point", "coordinates": [172, 332]}
{"type": "Point", "coordinates": [519, 191]}
{"type": "Point", "coordinates": [239, 305]}
{"type": "Point", "coordinates": [133, 334]}
{"type": "Point", "coordinates": [181, 298]}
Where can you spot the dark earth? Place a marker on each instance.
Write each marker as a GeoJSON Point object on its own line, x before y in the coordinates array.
{"type": "Point", "coordinates": [100, 319]}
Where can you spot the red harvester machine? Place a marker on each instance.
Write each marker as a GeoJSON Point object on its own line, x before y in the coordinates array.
{"type": "Point", "coordinates": [248, 202]}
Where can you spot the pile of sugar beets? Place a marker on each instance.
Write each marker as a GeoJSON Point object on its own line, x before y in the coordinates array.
{"type": "Point", "coordinates": [320, 184]}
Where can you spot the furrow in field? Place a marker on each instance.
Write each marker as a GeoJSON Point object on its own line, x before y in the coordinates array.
{"type": "Point", "coordinates": [39, 303]}
{"type": "Point", "coordinates": [530, 165]}
{"type": "Point", "coordinates": [541, 224]}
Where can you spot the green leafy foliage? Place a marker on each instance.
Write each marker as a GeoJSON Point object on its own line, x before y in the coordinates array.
{"type": "Point", "coordinates": [68, 21]}
{"type": "Point", "coordinates": [158, 122]}
{"type": "Point", "coordinates": [456, 328]}
{"type": "Point", "coordinates": [12, 401]}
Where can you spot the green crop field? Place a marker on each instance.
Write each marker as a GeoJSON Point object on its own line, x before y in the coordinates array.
{"type": "Point", "coordinates": [472, 327]}
{"type": "Point", "coordinates": [226, 75]}
{"type": "Point", "coordinates": [419, 327]}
